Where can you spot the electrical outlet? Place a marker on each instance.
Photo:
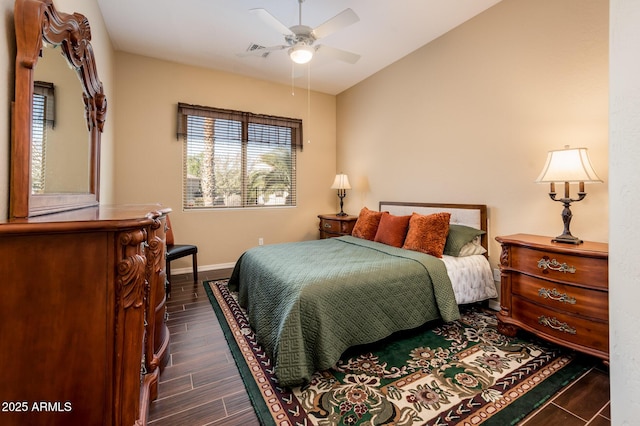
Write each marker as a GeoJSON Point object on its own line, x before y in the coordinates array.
{"type": "Point", "coordinates": [260, 241]}
{"type": "Point", "coordinates": [496, 274]}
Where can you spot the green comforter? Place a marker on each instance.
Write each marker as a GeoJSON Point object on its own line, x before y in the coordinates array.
{"type": "Point", "coordinates": [309, 301]}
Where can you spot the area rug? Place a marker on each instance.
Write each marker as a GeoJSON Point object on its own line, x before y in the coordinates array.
{"type": "Point", "coordinates": [459, 373]}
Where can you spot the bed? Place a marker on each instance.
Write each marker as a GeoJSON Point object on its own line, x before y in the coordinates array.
{"type": "Point", "coordinates": [309, 301]}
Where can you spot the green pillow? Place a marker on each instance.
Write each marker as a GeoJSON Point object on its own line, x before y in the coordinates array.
{"type": "Point", "coordinates": [459, 235]}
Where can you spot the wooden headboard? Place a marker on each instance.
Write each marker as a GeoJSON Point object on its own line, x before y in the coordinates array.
{"type": "Point", "coordinates": [474, 215]}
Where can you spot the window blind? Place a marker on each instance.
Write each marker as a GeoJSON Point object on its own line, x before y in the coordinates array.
{"type": "Point", "coordinates": [235, 159]}
{"type": "Point", "coordinates": [47, 99]}
{"type": "Point", "coordinates": [38, 144]}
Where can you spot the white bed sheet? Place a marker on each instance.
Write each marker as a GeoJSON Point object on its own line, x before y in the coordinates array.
{"type": "Point", "coordinates": [471, 278]}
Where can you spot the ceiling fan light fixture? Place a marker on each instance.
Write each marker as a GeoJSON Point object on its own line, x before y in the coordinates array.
{"type": "Point", "coordinates": [301, 53]}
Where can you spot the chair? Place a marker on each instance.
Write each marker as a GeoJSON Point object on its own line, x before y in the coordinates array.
{"type": "Point", "coordinates": [176, 251]}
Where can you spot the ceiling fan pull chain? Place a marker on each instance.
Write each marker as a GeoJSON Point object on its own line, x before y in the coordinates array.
{"type": "Point", "coordinates": [309, 102]}
{"type": "Point", "coordinates": [293, 87]}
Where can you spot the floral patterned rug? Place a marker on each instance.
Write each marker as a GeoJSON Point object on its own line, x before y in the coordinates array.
{"type": "Point", "coordinates": [459, 373]}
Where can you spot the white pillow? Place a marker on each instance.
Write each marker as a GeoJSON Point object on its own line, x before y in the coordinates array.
{"type": "Point", "coordinates": [472, 247]}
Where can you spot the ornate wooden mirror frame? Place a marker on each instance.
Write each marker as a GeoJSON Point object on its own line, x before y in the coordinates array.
{"type": "Point", "coordinates": [37, 21]}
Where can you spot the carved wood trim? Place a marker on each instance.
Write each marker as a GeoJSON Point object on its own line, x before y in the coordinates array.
{"type": "Point", "coordinates": [507, 329]}
{"type": "Point", "coordinates": [157, 335]}
{"type": "Point", "coordinates": [130, 292]}
{"type": "Point", "coordinates": [131, 268]}
{"type": "Point", "coordinates": [504, 256]}
{"type": "Point", "coordinates": [156, 246]}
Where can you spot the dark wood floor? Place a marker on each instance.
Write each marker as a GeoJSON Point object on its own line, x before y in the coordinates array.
{"type": "Point", "coordinates": [201, 385]}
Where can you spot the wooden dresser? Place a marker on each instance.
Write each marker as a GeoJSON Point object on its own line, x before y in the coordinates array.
{"type": "Point", "coordinates": [333, 225]}
{"type": "Point", "coordinates": [557, 291]}
{"type": "Point", "coordinates": [82, 316]}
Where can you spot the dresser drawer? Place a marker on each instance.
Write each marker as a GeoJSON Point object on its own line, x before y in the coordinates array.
{"type": "Point", "coordinates": [567, 298]}
{"type": "Point", "coordinates": [578, 330]}
{"type": "Point", "coordinates": [560, 266]}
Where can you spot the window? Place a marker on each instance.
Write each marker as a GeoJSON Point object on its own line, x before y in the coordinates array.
{"type": "Point", "coordinates": [43, 117]}
{"type": "Point", "coordinates": [236, 159]}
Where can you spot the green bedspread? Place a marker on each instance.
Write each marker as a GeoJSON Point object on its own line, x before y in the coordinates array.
{"type": "Point", "coordinates": [309, 301]}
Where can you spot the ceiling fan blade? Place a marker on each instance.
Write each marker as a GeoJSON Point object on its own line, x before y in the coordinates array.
{"type": "Point", "coordinates": [272, 21]}
{"type": "Point", "coordinates": [341, 20]}
{"type": "Point", "coordinates": [339, 54]}
{"type": "Point", "coordinates": [257, 50]}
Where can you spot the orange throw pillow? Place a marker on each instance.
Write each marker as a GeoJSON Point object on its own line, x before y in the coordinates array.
{"type": "Point", "coordinates": [392, 229]}
{"type": "Point", "coordinates": [428, 233]}
{"type": "Point", "coordinates": [367, 224]}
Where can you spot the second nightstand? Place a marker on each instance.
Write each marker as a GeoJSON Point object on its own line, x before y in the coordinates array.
{"type": "Point", "coordinates": [557, 291]}
{"type": "Point", "coordinates": [333, 225]}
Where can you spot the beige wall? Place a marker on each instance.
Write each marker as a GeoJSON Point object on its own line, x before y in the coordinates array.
{"type": "Point", "coordinates": [104, 60]}
{"type": "Point", "coordinates": [149, 158]}
{"type": "Point", "coordinates": [469, 118]}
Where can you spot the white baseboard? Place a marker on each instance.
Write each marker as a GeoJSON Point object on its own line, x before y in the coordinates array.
{"type": "Point", "coordinates": [494, 304]}
{"type": "Point", "coordinates": [215, 267]}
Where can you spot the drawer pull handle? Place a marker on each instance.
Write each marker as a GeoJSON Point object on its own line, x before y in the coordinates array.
{"type": "Point", "coordinates": [545, 293]}
{"type": "Point", "coordinates": [327, 225]}
{"type": "Point", "coordinates": [555, 324]}
{"type": "Point", "coordinates": [546, 263]}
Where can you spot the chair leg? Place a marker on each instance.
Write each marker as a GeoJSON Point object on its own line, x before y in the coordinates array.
{"type": "Point", "coordinates": [195, 267]}
{"type": "Point", "coordinates": [168, 278]}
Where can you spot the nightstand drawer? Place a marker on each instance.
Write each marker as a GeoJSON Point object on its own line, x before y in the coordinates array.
{"type": "Point", "coordinates": [570, 299]}
{"type": "Point", "coordinates": [333, 226]}
{"type": "Point", "coordinates": [578, 330]}
{"type": "Point", "coordinates": [560, 266]}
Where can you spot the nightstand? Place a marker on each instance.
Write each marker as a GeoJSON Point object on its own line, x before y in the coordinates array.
{"type": "Point", "coordinates": [559, 292]}
{"type": "Point", "coordinates": [333, 225]}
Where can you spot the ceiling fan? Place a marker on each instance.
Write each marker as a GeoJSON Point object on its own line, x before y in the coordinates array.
{"type": "Point", "coordinates": [300, 38]}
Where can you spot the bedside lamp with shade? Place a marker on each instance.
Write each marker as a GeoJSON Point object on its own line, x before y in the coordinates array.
{"type": "Point", "coordinates": [341, 183]}
{"type": "Point", "coordinates": [568, 165]}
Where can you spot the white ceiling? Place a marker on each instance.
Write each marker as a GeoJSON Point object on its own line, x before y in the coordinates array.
{"type": "Point", "coordinates": [211, 34]}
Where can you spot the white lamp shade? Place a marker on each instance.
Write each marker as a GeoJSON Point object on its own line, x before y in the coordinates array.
{"type": "Point", "coordinates": [301, 53]}
{"type": "Point", "coordinates": [568, 165]}
{"type": "Point", "coordinates": [341, 182]}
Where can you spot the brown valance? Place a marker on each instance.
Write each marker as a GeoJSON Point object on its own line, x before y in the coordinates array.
{"type": "Point", "coordinates": [257, 134]}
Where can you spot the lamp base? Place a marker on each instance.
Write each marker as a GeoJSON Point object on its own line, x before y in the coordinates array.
{"type": "Point", "coordinates": [341, 194]}
{"type": "Point", "coordinates": [567, 239]}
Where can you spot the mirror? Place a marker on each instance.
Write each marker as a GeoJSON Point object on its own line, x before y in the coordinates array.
{"type": "Point", "coordinates": [55, 159]}
{"type": "Point", "coordinates": [59, 138]}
